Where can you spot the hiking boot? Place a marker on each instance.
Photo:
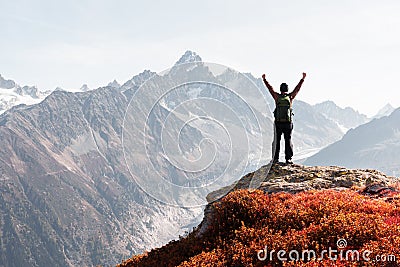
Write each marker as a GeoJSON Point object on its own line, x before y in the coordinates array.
{"type": "Point", "coordinates": [289, 161]}
{"type": "Point", "coordinates": [274, 161]}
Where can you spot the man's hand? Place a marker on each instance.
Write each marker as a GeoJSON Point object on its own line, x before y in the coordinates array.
{"type": "Point", "coordinates": [304, 75]}
{"type": "Point", "coordinates": [263, 76]}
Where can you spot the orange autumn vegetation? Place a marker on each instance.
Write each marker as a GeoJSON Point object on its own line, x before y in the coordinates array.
{"type": "Point", "coordinates": [244, 222]}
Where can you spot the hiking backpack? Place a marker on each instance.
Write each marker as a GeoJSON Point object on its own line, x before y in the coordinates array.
{"type": "Point", "coordinates": [283, 110]}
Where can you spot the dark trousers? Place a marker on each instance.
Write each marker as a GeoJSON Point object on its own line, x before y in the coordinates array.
{"type": "Point", "coordinates": [284, 128]}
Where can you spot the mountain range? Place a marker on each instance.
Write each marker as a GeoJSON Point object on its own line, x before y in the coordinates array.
{"type": "Point", "coordinates": [80, 171]}
{"type": "Point", "coordinates": [324, 114]}
{"type": "Point", "coordinates": [371, 145]}
{"type": "Point", "coordinates": [346, 118]}
{"type": "Point", "coordinates": [67, 196]}
{"type": "Point", "coordinates": [12, 94]}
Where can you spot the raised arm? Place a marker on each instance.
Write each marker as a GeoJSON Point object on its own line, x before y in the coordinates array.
{"type": "Point", "coordinates": [297, 88]}
{"type": "Point", "coordinates": [270, 89]}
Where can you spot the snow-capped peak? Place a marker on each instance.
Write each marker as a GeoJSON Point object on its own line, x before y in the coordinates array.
{"type": "Point", "coordinates": [11, 94]}
{"type": "Point", "coordinates": [31, 91]}
{"type": "Point", "coordinates": [385, 111]}
{"type": "Point", "coordinates": [189, 57]}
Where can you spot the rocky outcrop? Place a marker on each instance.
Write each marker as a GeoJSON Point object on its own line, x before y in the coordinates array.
{"type": "Point", "coordinates": [297, 178]}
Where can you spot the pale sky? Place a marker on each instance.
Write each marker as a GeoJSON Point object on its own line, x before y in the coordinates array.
{"type": "Point", "coordinates": [350, 49]}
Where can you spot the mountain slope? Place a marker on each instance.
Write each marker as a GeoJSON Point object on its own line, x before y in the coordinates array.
{"type": "Point", "coordinates": [49, 199]}
{"type": "Point", "coordinates": [372, 145]}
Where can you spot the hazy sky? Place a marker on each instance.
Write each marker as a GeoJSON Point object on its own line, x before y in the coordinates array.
{"type": "Point", "coordinates": [350, 49]}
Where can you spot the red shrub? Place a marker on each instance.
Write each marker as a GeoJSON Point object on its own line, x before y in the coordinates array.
{"type": "Point", "coordinates": [246, 223]}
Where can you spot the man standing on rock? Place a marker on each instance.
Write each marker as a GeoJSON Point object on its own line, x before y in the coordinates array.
{"type": "Point", "coordinates": [283, 118]}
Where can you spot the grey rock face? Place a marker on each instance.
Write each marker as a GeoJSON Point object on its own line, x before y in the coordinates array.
{"type": "Point", "coordinates": [31, 91]}
{"type": "Point", "coordinates": [7, 84]}
{"type": "Point", "coordinates": [137, 80]}
{"type": "Point", "coordinates": [296, 178]}
{"type": "Point", "coordinates": [84, 88]}
{"type": "Point", "coordinates": [189, 57]}
{"type": "Point", "coordinates": [345, 117]}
